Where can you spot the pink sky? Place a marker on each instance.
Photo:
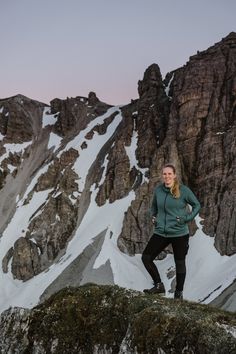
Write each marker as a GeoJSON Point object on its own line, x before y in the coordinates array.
{"type": "Point", "coordinates": [60, 48]}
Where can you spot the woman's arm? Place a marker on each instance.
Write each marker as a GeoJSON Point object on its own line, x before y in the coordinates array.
{"type": "Point", "coordinates": [192, 200]}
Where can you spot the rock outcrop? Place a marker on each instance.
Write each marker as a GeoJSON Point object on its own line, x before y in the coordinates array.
{"type": "Point", "coordinates": [202, 126]}
{"type": "Point", "coordinates": [119, 177]}
{"type": "Point", "coordinates": [20, 123]}
{"type": "Point", "coordinates": [187, 119]}
{"type": "Point", "coordinates": [20, 118]}
{"type": "Point", "coordinates": [150, 121]}
{"type": "Point", "coordinates": [73, 114]}
{"type": "Point", "coordinates": [52, 225]}
{"type": "Point", "coordinates": [198, 136]}
{"type": "Point", "coordinates": [107, 319]}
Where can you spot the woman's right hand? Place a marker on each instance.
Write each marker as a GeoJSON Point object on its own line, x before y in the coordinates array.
{"type": "Point", "coordinates": [180, 220]}
{"type": "Point", "coordinates": [153, 220]}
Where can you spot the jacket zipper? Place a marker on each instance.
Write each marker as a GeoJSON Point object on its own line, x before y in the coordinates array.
{"type": "Point", "coordinates": [165, 212]}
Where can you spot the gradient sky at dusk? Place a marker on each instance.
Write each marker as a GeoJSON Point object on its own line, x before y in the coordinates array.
{"type": "Point", "coordinates": [60, 48]}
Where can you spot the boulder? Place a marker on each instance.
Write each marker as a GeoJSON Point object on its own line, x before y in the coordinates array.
{"type": "Point", "coordinates": [109, 319]}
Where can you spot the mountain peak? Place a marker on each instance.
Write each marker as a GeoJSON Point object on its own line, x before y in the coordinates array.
{"type": "Point", "coordinates": [152, 73]}
{"type": "Point", "coordinates": [19, 98]}
{"type": "Point", "coordinates": [231, 36]}
{"type": "Point", "coordinates": [152, 78]}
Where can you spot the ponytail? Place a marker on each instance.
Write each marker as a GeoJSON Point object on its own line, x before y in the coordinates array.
{"type": "Point", "coordinates": [175, 189]}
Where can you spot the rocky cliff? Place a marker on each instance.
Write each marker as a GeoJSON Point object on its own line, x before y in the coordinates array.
{"type": "Point", "coordinates": [80, 168]}
{"type": "Point", "coordinates": [196, 130]}
{"type": "Point", "coordinates": [106, 319]}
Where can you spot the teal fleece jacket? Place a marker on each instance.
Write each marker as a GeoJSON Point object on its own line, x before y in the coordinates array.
{"type": "Point", "coordinates": [171, 213]}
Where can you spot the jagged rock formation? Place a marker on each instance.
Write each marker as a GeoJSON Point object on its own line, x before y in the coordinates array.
{"type": "Point", "coordinates": [19, 118]}
{"type": "Point", "coordinates": [202, 125]}
{"type": "Point", "coordinates": [119, 177]}
{"type": "Point", "coordinates": [73, 114]}
{"type": "Point", "coordinates": [153, 113]}
{"type": "Point", "coordinates": [188, 119]}
{"type": "Point", "coordinates": [20, 122]}
{"type": "Point", "coordinates": [52, 225]}
{"type": "Point", "coordinates": [105, 319]}
{"type": "Point", "coordinates": [198, 135]}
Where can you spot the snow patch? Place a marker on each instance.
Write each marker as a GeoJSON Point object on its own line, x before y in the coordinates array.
{"type": "Point", "coordinates": [54, 141]}
{"type": "Point", "coordinates": [14, 148]}
{"type": "Point", "coordinates": [167, 89]}
{"type": "Point", "coordinates": [208, 273]}
{"type": "Point", "coordinates": [88, 155]}
{"type": "Point", "coordinates": [32, 184]}
{"type": "Point", "coordinates": [104, 166]}
{"type": "Point", "coordinates": [11, 168]}
{"type": "Point", "coordinates": [47, 118]}
{"type": "Point", "coordinates": [130, 151]}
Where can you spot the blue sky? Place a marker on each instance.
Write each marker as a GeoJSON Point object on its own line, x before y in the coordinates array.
{"type": "Point", "coordinates": [60, 48]}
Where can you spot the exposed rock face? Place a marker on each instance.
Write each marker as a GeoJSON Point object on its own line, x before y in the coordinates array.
{"type": "Point", "coordinates": [60, 174]}
{"type": "Point", "coordinates": [106, 319]}
{"type": "Point", "coordinates": [187, 119]}
{"type": "Point", "coordinates": [150, 122]}
{"type": "Point", "coordinates": [136, 226]}
{"type": "Point", "coordinates": [51, 228]}
{"type": "Point", "coordinates": [119, 178]}
{"type": "Point", "coordinates": [198, 136]}
{"type": "Point", "coordinates": [75, 113]}
{"type": "Point", "coordinates": [17, 118]}
{"type": "Point", "coordinates": [202, 125]}
{"type": "Point", "coordinates": [52, 225]}
{"type": "Point", "coordinates": [20, 123]}
{"type": "Point", "coordinates": [15, 320]}
{"type": "Point", "coordinates": [152, 118]}
{"type": "Point", "coordinates": [26, 261]}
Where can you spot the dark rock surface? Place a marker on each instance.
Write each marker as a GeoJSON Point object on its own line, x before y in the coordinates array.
{"type": "Point", "coordinates": [109, 319]}
{"type": "Point", "coordinates": [187, 119]}
{"type": "Point", "coordinates": [75, 113]}
{"type": "Point", "coordinates": [20, 118]}
{"type": "Point", "coordinates": [198, 136]}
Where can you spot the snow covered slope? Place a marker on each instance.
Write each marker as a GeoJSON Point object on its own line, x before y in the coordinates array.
{"type": "Point", "coordinates": [208, 273]}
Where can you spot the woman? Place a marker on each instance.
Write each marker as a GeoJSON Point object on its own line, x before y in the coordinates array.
{"type": "Point", "coordinates": [170, 217]}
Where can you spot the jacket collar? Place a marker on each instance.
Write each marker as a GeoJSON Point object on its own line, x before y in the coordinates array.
{"type": "Point", "coordinates": [165, 189]}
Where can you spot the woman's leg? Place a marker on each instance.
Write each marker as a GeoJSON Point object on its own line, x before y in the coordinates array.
{"type": "Point", "coordinates": [180, 247]}
{"type": "Point", "coordinates": [154, 247]}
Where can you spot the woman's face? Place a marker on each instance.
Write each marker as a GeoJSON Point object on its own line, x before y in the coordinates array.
{"type": "Point", "coordinates": [168, 176]}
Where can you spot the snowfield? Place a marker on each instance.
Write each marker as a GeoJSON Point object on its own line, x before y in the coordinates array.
{"type": "Point", "coordinates": [208, 273]}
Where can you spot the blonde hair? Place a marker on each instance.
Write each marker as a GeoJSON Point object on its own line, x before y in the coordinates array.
{"type": "Point", "coordinates": [175, 189]}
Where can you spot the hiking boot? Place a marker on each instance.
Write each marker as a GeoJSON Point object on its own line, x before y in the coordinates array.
{"type": "Point", "coordinates": [178, 294]}
{"type": "Point", "coordinates": [157, 289]}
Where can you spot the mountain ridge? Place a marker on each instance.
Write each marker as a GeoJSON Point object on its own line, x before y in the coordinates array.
{"type": "Point", "coordinates": [68, 165]}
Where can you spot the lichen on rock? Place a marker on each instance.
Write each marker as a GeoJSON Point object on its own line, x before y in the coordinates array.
{"type": "Point", "coordinates": [110, 319]}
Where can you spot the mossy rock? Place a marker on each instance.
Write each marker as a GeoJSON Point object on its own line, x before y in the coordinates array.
{"type": "Point", "coordinates": [110, 319]}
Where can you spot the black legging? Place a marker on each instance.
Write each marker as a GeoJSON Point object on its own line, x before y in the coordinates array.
{"type": "Point", "coordinates": [156, 245]}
